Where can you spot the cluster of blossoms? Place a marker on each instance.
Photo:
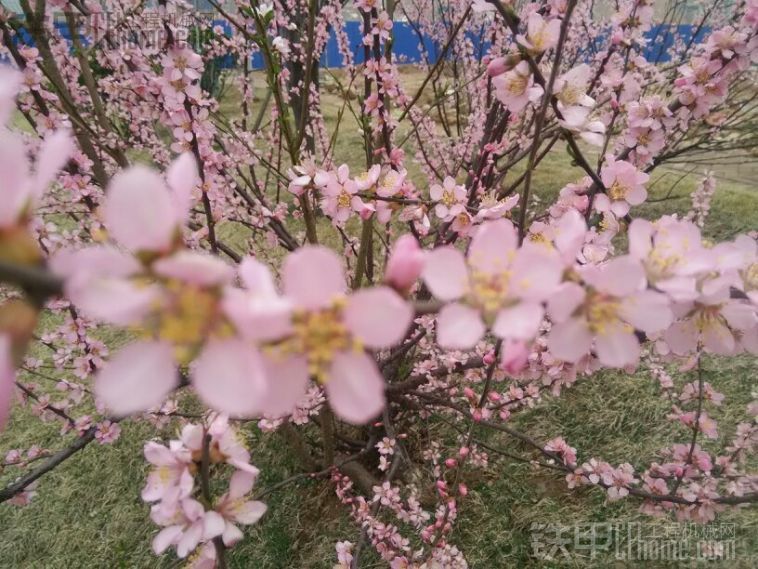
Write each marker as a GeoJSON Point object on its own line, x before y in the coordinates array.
{"type": "Point", "coordinates": [249, 350]}
{"type": "Point", "coordinates": [489, 302]}
{"type": "Point", "coordinates": [177, 489]}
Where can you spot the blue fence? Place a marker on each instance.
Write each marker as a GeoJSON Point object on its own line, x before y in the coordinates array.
{"type": "Point", "coordinates": [407, 44]}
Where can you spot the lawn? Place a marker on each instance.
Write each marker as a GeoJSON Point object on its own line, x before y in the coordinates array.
{"type": "Point", "coordinates": [88, 512]}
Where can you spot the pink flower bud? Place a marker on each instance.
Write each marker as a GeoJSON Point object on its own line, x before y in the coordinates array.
{"type": "Point", "coordinates": [493, 396]}
{"type": "Point", "coordinates": [451, 463]}
{"type": "Point", "coordinates": [463, 451]}
{"type": "Point", "coordinates": [469, 393]}
{"type": "Point", "coordinates": [462, 489]}
{"type": "Point", "coordinates": [496, 67]}
{"type": "Point", "coordinates": [515, 357]}
{"type": "Point", "coordinates": [477, 415]}
{"type": "Point", "coordinates": [405, 264]}
{"type": "Point", "coordinates": [500, 65]}
{"type": "Point", "coordinates": [366, 212]}
{"type": "Point", "coordinates": [488, 358]}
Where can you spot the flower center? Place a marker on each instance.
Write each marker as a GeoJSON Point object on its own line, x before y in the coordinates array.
{"type": "Point", "coordinates": [602, 314]}
{"type": "Point", "coordinates": [390, 181]}
{"type": "Point", "coordinates": [319, 335]}
{"type": "Point", "coordinates": [617, 191]}
{"type": "Point", "coordinates": [751, 277]}
{"type": "Point", "coordinates": [489, 291]}
{"type": "Point", "coordinates": [186, 317]}
{"type": "Point", "coordinates": [570, 94]}
{"type": "Point", "coordinates": [344, 200]}
{"type": "Point", "coordinates": [660, 263]}
{"type": "Point", "coordinates": [164, 474]}
{"type": "Point", "coordinates": [708, 317]}
{"type": "Point", "coordinates": [448, 198]}
{"type": "Point", "coordinates": [516, 84]}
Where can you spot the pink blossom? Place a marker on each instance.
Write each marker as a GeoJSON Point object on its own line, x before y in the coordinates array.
{"type": "Point", "coordinates": [451, 198]}
{"type": "Point", "coordinates": [329, 333]}
{"type": "Point", "coordinates": [625, 187]}
{"type": "Point", "coordinates": [672, 254]}
{"type": "Point", "coordinates": [714, 322]}
{"type": "Point", "coordinates": [344, 553]}
{"type": "Point", "coordinates": [615, 303]}
{"type": "Point", "coordinates": [170, 481]}
{"type": "Point", "coordinates": [515, 88]}
{"type": "Point", "coordinates": [618, 480]}
{"type": "Point", "coordinates": [225, 445]}
{"type": "Point", "coordinates": [234, 509]}
{"type": "Point", "coordinates": [491, 208]}
{"type": "Point", "coordinates": [339, 195]}
{"type": "Point", "coordinates": [500, 286]}
{"type": "Point", "coordinates": [541, 34]}
{"type": "Point", "coordinates": [178, 306]}
{"type": "Point", "coordinates": [560, 447]}
{"type": "Point", "coordinates": [185, 528]}
{"type": "Point", "coordinates": [405, 264]}
{"type": "Point", "coordinates": [514, 358]}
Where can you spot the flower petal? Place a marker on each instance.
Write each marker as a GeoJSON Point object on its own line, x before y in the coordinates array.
{"type": "Point", "coordinates": [140, 376]}
{"type": "Point", "coordinates": [492, 245]}
{"type": "Point", "coordinates": [565, 301]}
{"type": "Point", "coordinates": [240, 484]}
{"type": "Point", "coordinates": [231, 536]}
{"type": "Point", "coordinates": [256, 277]}
{"type": "Point", "coordinates": [617, 347]}
{"type": "Point", "coordinates": [256, 317]}
{"type": "Point", "coordinates": [213, 525]}
{"type": "Point", "coordinates": [459, 327]}
{"type": "Point", "coordinates": [196, 268]}
{"type": "Point", "coordinates": [287, 381]}
{"type": "Point", "coordinates": [15, 168]}
{"type": "Point", "coordinates": [182, 177]}
{"type": "Point", "coordinates": [139, 211]}
{"type": "Point", "coordinates": [117, 301]}
{"type": "Point", "coordinates": [228, 376]}
{"type": "Point", "coordinates": [355, 388]}
{"type": "Point", "coordinates": [682, 337]}
{"type": "Point", "coordinates": [647, 310]}
{"type": "Point", "coordinates": [166, 538]}
{"type": "Point", "coordinates": [570, 340]}
{"type": "Point", "coordinates": [519, 322]}
{"type": "Point", "coordinates": [313, 276]}
{"type": "Point", "coordinates": [377, 316]}
{"type": "Point", "coordinates": [536, 273]}
{"type": "Point", "coordinates": [619, 277]}
{"type": "Point", "coordinates": [249, 512]}
{"type": "Point", "coordinates": [53, 154]}
{"type": "Point", "coordinates": [445, 273]}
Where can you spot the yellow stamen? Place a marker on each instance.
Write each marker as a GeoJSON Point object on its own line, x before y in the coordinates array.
{"type": "Point", "coordinates": [319, 335]}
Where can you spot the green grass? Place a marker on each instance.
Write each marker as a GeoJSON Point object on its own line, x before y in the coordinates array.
{"type": "Point", "coordinates": [88, 512]}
